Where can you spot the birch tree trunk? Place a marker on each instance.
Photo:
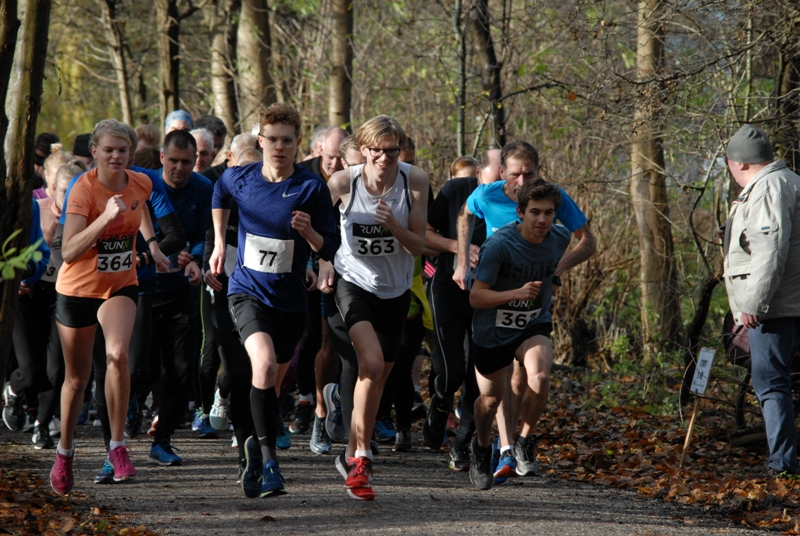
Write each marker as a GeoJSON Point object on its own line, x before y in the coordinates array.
{"type": "Point", "coordinates": [340, 84]}
{"type": "Point", "coordinates": [490, 72]}
{"type": "Point", "coordinates": [256, 89]}
{"type": "Point", "coordinates": [116, 41]}
{"type": "Point", "coordinates": [168, 61]}
{"type": "Point", "coordinates": [222, 32]}
{"type": "Point", "coordinates": [660, 307]}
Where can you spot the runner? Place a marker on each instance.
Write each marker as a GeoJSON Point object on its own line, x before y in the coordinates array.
{"type": "Point", "coordinates": [98, 284]}
{"type": "Point", "coordinates": [511, 294]}
{"type": "Point", "coordinates": [382, 216]}
{"type": "Point", "coordinates": [267, 290]}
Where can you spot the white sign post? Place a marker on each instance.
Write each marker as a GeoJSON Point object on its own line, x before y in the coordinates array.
{"type": "Point", "coordinates": [699, 383]}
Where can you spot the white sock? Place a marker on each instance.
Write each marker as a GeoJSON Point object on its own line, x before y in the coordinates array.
{"type": "Point", "coordinates": [66, 452]}
{"type": "Point", "coordinates": [11, 391]}
{"type": "Point", "coordinates": [364, 454]}
{"type": "Point", "coordinates": [307, 398]}
{"type": "Point", "coordinates": [114, 444]}
{"type": "Point", "coordinates": [505, 449]}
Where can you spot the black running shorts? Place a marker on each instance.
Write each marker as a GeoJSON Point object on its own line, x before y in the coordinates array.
{"type": "Point", "coordinates": [76, 312]}
{"type": "Point", "coordinates": [252, 316]}
{"type": "Point", "coordinates": [490, 360]}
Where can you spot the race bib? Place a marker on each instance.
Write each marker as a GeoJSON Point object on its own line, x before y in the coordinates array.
{"type": "Point", "coordinates": [268, 255]}
{"type": "Point", "coordinates": [115, 254]}
{"type": "Point", "coordinates": [373, 240]}
{"type": "Point", "coordinates": [518, 314]}
{"type": "Point", "coordinates": [50, 273]}
{"type": "Point", "coordinates": [230, 259]}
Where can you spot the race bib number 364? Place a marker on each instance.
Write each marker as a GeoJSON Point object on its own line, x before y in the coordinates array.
{"type": "Point", "coordinates": [268, 255]}
{"type": "Point", "coordinates": [373, 240]}
{"type": "Point", "coordinates": [115, 254]}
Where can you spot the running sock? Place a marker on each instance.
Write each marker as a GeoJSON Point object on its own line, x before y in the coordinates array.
{"type": "Point", "coordinates": [307, 398]}
{"type": "Point", "coordinates": [364, 454]}
{"type": "Point", "coordinates": [264, 406]}
{"type": "Point", "coordinates": [66, 452]}
{"type": "Point", "coordinates": [507, 448]}
{"type": "Point", "coordinates": [114, 444]}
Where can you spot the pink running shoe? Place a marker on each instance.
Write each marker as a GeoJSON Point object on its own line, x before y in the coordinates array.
{"type": "Point", "coordinates": [123, 468]}
{"type": "Point", "coordinates": [61, 479]}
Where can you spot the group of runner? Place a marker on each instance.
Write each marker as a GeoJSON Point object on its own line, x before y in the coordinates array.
{"type": "Point", "coordinates": [354, 223]}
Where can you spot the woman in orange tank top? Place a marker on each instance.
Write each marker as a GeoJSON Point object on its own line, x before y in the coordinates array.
{"type": "Point", "coordinates": [105, 209]}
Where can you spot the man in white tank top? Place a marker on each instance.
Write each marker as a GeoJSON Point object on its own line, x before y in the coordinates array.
{"type": "Point", "coordinates": [383, 221]}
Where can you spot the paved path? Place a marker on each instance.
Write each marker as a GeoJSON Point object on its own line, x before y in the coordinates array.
{"type": "Point", "coordinates": [416, 494]}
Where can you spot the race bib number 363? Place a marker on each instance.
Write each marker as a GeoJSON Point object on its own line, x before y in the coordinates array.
{"type": "Point", "coordinates": [115, 254]}
{"type": "Point", "coordinates": [268, 255]}
{"type": "Point", "coordinates": [518, 314]}
{"type": "Point", "coordinates": [372, 240]}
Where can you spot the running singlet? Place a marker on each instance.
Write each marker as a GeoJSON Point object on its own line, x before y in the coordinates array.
{"type": "Point", "coordinates": [272, 257]}
{"type": "Point", "coordinates": [370, 256]}
{"type": "Point", "coordinates": [508, 261]}
{"type": "Point", "coordinates": [110, 264]}
{"type": "Point", "coordinates": [489, 202]}
{"type": "Point", "coordinates": [49, 218]}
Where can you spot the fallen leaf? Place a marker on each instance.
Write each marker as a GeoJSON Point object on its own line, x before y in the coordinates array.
{"type": "Point", "coordinates": [267, 519]}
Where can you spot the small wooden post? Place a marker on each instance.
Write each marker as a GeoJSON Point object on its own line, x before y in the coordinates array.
{"type": "Point", "coordinates": [689, 431]}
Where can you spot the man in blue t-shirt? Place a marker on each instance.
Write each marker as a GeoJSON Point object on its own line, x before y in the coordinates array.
{"type": "Point", "coordinates": [511, 294]}
{"type": "Point", "coordinates": [496, 203]}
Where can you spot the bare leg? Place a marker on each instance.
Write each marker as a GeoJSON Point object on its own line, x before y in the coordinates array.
{"type": "Point", "coordinates": [492, 388]}
{"type": "Point", "coordinates": [506, 416]}
{"type": "Point", "coordinates": [77, 344]}
{"type": "Point", "coordinates": [262, 359]}
{"type": "Point", "coordinates": [117, 317]}
{"type": "Point", "coordinates": [325, 367]}
{"type": "Point", "coordinates": [537, 355]}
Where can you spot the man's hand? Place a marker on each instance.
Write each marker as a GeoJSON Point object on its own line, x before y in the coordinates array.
{"type": "Point", "coordinates": [460, 276]}
{"type": "Point", "coordinates": [311, 280]}
{"type": "Point", "coordinates": [193, 273]}
{"type": "Point", "coordinates": [212, 281]}
{"type": "Point", "coordinates": [217, 261]}
{"type": "Point", "coordinates": [325, 280]}
{"type": "Point", "coordinates": [474, 252]}
{"type": "Point", "coordinates": [385, 217]}
{"type": "Point", "coordinates": [750, 321]}
{"type": "Point", "coordinates": [529, 290]}
{"type": "Point", "coordinates": [184, 258]}
{"type": "Point", "coordinates": [23, 289]}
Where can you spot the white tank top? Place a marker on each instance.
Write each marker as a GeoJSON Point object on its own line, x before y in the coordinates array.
{"type": "Point", "coordinates": [370, 256]}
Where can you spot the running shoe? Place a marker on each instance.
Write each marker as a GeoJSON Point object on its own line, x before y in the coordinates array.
{"type": "Point", "coordinates": [402, 440]}
{"type": "Point", "coordinates": [13, 413]}
{"type": "Point", "coordinates": [218, 416]}
{"type": "Point", "coordinates": [342, 463]}
{"type": "Point", "coordinates": [61, 478]}
{"type": "Point", "coordinates": [162, 454]}
{"type": "Point", "coordinates": [302, 417]}
{"type": "Point", "coordinates": [152, 431]}
{"type": "Point", "coordinates": [525, 450]}
{"type": "Point", "coordinates": [419, 410]}
{"type": "Point", "coordinates": [55, 427]}
{"type": "Point", "coordinates": [334, 423]}
{"type": "Point", "coordinates": [460, 459]}
{"type": "Point", "coordinates": [284, 440]}
{"type": "Point", "coordinates": [451, 428]}
{"type": "Point", "coordinates": [83, 416]}
{"type": "Point", "coordinates": [320, 442]}
{"type": "Point", "coordinates": [506, 467]}
{"type": "Point", "coordinates": [123, 468]}
{"type": "Point", "coordinates": [234, 442]}
{"type": "Point", "coordinates": [206, 431]}
{"type": "Point", "coordinates": [197, 419]}
{"type": "Point", "coordinates": [41, 437]}
{"type": "Point", "coordinates": [480, 470]}
{"type": "Point", "coordinates": [384, 430]}
{"type": "Point", "coordinates": [434, 426]}
{"type": "Point", "coordinates": [240, 472]}
{"type": "Point", "coordinates": [30, 420]}
{"type": "Point", "coordinates": [106, 474]}
{"type": "Point", "coordinates": [359, 479]}
{"type": "Point", "coordinates": [271, 480]}
{"type": "Point", "coordinates": [495, 453]}
{"type": "Point", "coordinates": [373, 446]}
{"type": "Point", "coordinates": [133, 423]}
{"type": "Point", "coordinates": [252, 476]}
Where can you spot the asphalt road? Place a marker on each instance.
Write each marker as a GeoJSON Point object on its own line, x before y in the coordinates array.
{"type": "Point", "coordinates": [416, 494]}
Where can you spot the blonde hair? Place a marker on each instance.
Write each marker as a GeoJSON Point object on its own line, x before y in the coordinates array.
{"type": "Point", "coordinates": [347, 144]}
{"type": "Point", "coordinates": [378, 128]}
{"type": "Point", "coordinates": [71, 169]}
{"type": "Point", "coordinates": [249, 156]}
{"type": "Point", "coordinates": [149, 134]}
{"type": "Point", "coordinates": [112, 127]}
{"type": "Point", "coordinates": [57, 158]}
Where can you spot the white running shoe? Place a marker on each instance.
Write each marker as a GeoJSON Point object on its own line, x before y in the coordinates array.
{"type": "Point", "coordinates": [218, 416]}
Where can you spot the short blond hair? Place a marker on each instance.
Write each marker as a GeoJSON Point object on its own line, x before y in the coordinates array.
{"type": "Point", "coordinates": [379, 128]}
{"type": "Point", "coordinates": [150, 134]}
{"type": "Point", "coordinates": [347, 144]}
{"type": "Point", "coordinates": [112, 127]}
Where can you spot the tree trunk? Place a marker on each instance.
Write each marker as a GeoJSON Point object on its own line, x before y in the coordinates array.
{"type": "Point", "coordinates": [340, 83]}
{"type": "Point", "coordinates": [490, 73]}
{"type": "Point", "coordinates": [661, 317]}
{"type": "Point", "coordinates": [786, 137]}
{"type": "Point", "coordinates": [9, 28]}
{"type": "Point", "coordinates": [253, 54]}
{"type": "Point", "coordinates": [461, 96]}
{"type": "Point", "coordinates": [116, 43]}
{"type": "Point", "coordinates": [222, 31]}
{"type": "Point", "coordinates": [168, 61]}
{"type": "Point", "coordinates": [24, 101]}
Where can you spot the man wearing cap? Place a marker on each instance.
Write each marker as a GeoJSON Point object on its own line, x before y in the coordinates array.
{"type": "Point", "coordinates": [81, 150]}
{"type": "Point", "coordinates": [762, 277]}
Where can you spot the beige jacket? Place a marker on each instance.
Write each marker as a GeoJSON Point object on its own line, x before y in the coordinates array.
{"type": "Point", "coordinates": [762, 246]}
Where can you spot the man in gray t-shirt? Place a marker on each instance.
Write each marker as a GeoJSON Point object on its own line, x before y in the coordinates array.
{"type": "Point", "coordinates": [511, 295]}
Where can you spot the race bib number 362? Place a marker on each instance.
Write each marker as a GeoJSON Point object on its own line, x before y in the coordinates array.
{"type": "Point", "coordinates": [115, 254]}
{"type": "Point", "coordinates": [518, 313]}
{"type": "Point", "coordinates": [372, 240]}
{"type": "Point", "coordinates": [268, 255]}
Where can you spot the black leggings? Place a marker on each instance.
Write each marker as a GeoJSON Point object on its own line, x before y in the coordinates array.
{"type": "Point", "coordinates": [347, 354]}
{"type": "Point", "coordinates": [399, 389]}
{"type": "Point", "coordinates": [210, 353]}
{"type": "Point", "coordinates": [40, 361]}
{"type": "Point", "coordinates": [310, 345]}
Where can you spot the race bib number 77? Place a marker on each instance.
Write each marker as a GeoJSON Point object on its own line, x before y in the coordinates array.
{"type": "Point", "coordinates": [268, 255]}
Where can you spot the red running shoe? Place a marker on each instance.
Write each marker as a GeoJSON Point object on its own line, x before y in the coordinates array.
{"type": "Point", "coordinates": [359, 479]}
{"type": "Point", "coordinates": [123, 468]}
{"type": "Point", "coordinates": [61, 478]}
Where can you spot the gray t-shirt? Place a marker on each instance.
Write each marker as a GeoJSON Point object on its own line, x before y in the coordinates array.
{"type": "Point", "coordinates": [508, 261]}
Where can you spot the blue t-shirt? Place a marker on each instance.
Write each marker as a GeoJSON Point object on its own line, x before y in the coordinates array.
{"type": "Point", "coordinates": [36, 234]}
{"type": "Point", "coordinates": [272, 257]}
{"type": "Point", "coordinates": [507, 261]}
{"type": "Point", "coordinates": [158, 204]}
{"type": "Point", "coordinates": [490, 203]}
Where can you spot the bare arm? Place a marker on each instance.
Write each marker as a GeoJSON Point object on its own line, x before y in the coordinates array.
{"type": "Point", "coordinates": [219, 218]}
{"type": "Point", "coordinates": [339, 185]}
{"type": "Point", "coordinates": [462, 232]}
{"type": "Point", "coordinates": [482, 296]}
{"type": "Point", "coordinates": [78, 237]}
{"type": "Point", "coordinates": [146, 228]}
{"type": "Point", "coordinates": [413, 238]}
{"type": "Point", "coordinates": [584, 249]}
{"type": "Point", "coordinates": [435, 241]}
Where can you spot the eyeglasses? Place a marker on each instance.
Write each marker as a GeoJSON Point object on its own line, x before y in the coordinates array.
{"type": "Point", "coordinates": [391, 153]}
{"type": "Point", "coordinates": [272, 141]}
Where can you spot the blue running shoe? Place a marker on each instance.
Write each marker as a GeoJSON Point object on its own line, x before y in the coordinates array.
{"type": "Point", "coordinates": [162, 454]}
{"type": "Point", "coordinates": [83, 416]}
{"type": "Point", "coordinates": [197, 421]}
{"type": "Point", "coordinates": [251, 478]}
{"type": "Point", "coordinates": [272, 480]}
{"type": "Point", "coordinates": [334, 423]}
{"type": "Point", "coordinates": [206, 431]}
{"type": "Point", "coordinates": [106, 474]}
{"type": "Point", "coordinates": [506, 467]}
{"type": "Point", "coordinates": [133, 423]}
{"type": "Point", "coordinates": [320, 442]}
{"type": "Point", "coordinates": [384, 430]}
{"type": "Point", "coordinates": [284, 440]}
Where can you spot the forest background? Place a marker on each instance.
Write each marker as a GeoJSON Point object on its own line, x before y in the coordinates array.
{"type": "Point", "coordinates": [629, 103]}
